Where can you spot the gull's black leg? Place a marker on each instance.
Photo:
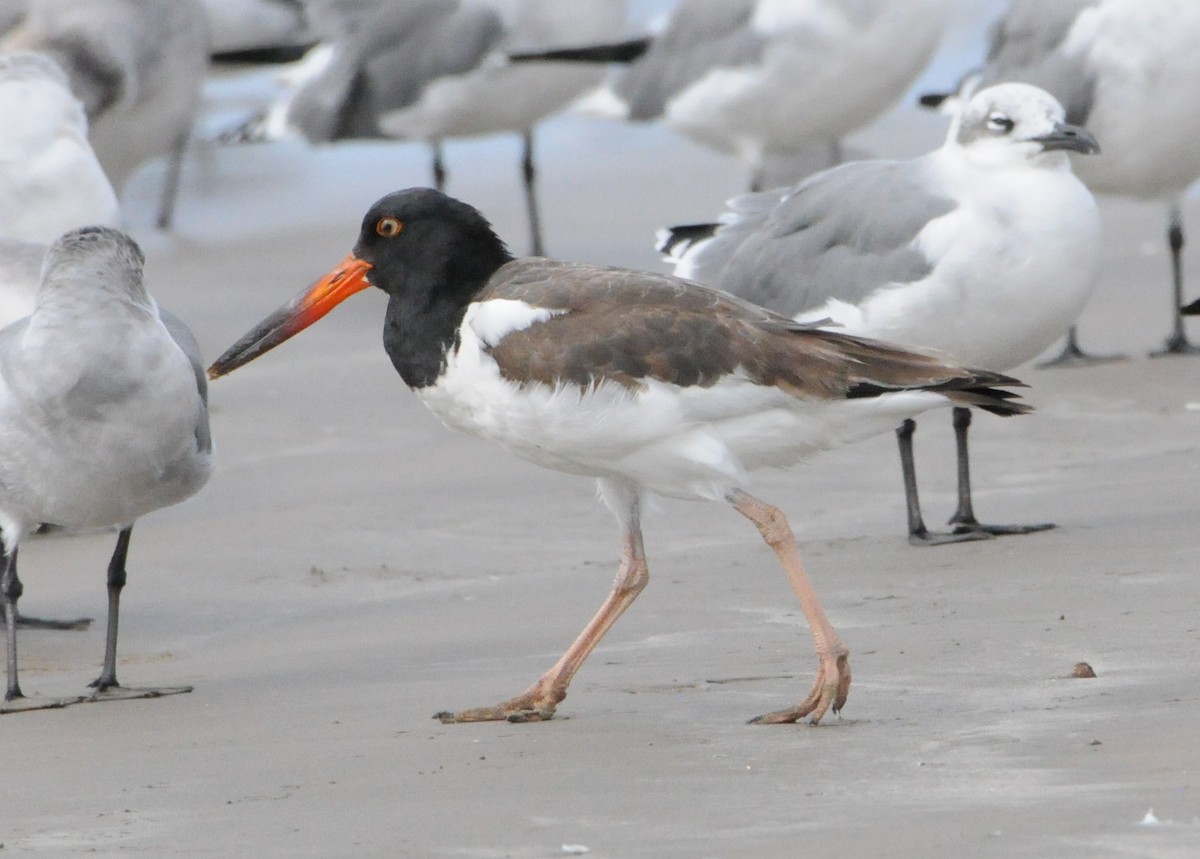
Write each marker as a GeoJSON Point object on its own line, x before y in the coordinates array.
{"type": "Point", "coordinates": [439, 166]}
{"type": "Point", "coordinates": [106, 685]}
{"type": "Point", "coordinates": [10, 591]}
{"type": "Point", "coordinates": [116, 581]}
{"type": "Point", "coordinates": [918, 534]}
{"type": "Point", "coordinates": [166, 205]}
{"type": "Point", "coordinates": [964, 520]}
{"type": "Point", "coordinates": [529, 175]}
{"type": "Point", "coordinates": [26, 622]}
{"type": "Point", "coordinates": [1073, 355]}
{"type": "Point", "coordinates": [1177, 343]}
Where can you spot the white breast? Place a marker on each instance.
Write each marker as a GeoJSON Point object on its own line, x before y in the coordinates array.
{"type": "Point", "coordinates": [1014, 265]}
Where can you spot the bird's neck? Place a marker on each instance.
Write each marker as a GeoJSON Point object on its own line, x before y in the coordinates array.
{"type": "Point", "coordinates": [423, 318]}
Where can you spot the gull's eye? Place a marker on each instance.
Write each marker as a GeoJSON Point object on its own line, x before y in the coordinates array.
{"type": "Point", "coordinates": [388, 227]}
{"type": "Point", "coordinates": [1000, 123]}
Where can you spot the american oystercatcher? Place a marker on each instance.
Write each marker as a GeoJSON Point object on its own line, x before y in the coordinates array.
{"type": "Point", "coordinates": [647, 382]}
{"type": "Point", "coordinates": [103, 418]}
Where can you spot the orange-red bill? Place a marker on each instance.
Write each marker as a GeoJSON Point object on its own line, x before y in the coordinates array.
{"type": "Point", "coordinates": [347, 278]}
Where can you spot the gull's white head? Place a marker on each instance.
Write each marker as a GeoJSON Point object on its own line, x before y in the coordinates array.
{"type": "Point", "coordinates": [1013, 124]}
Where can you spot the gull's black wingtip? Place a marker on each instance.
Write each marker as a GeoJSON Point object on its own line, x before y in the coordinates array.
{"type": "Point", "coordinates": [619, 52]}
{"type": "Point", "coordinates": [933, 100]}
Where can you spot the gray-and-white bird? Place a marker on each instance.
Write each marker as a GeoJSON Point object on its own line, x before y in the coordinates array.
{"type": "Point", "coordinates": [138, 66]}
{"type": "Point", "coordinates": [255, 30]}
{"type": "Point", "coordinates": [50, 178]}
{"type": "Point", "coordinates": [103, 419]}
{"type": "Point", "coordinates": [1130, 71]}
{"type": "Point", "coordinates": [50, 182]}
{"type": "Point", "coordinates": [429, 70]}
{"type": "Point", "coordinates": [985, 250]}
{"type": "Point", "coordinates": [775, 83]}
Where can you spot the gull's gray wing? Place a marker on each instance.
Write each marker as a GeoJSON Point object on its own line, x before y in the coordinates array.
{"type": "Point", "coordinates": [841, 234]}
{"type": "Point", "coordinates": [1027, 45]}
{"type": "Point", "coordinates": [385, 56]}
{"type": "Point", "coordinates": [183, 336]}
{"type": "Point", "coordinates": [702, 35]}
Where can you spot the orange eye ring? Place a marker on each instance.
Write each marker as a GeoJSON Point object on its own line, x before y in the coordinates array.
{"type": "Point", "coordinates": [388, 227]}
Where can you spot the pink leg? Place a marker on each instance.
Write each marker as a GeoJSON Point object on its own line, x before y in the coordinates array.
{"type": "Point", "coordinates": [537, 703]}
{"type": "Point", "coordinates": [833, 678]}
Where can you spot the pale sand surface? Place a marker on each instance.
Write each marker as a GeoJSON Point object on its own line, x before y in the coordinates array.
{"type": "Point", "coordinates": [354, 567]}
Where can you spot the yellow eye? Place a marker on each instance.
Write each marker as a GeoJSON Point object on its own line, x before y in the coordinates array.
{"type": "Point", "coordinates": [388, 227]}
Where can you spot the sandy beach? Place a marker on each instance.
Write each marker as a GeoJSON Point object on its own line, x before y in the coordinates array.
{"type": "Point", "coordinates": [354, 567]}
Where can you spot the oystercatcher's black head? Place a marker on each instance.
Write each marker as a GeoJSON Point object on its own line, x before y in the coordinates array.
{"type": "Point", "coordinates": [429, 252]}
{"type": "Point", "coordinates": [420, 239]}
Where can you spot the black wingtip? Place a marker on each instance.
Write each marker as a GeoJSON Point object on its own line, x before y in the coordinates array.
{"type": "Point", "coordinates": [982, 389]}
{"type": "Point", "coordinates": [997, 401]}
{"type": "Point", "coordinates": [618, 52]}
{"type": "Point", "coordinates": [272, 55]}
{"type": "Point", "coordinates": [683, 236]}
{"type": "Point", "coordinates": [933, 100]}
{"type": "Point", "coordinates": [1192, 309]}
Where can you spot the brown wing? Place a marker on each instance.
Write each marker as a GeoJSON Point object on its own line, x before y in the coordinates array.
{"type": "Point", "coordinates": [627, 326]}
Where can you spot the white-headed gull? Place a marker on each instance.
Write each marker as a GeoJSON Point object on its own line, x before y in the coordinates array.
{"type": "Point", "coordinates": [985, 250]}
{"type": "Point", "coordinates": [776, 83]}
{"type": "Point", "coordinates": [644, 381]}
{"type": "Point", "coordinates": [138, 66]}
{"type": "Point", "coordinates": [103, 419]}
{"type": "Point", "coordinates": [50, 178]}
{"type": "Point", "coordinates": [429, 70]}
{"type": "Point", "coordinates": [250, 30]}
{"type": "Point", "coordinates": [1130, 71]}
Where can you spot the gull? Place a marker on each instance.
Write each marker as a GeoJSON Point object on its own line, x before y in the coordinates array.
{"type": "Point", "coordinates": [646, 382]}
{"type": "Point", "coordinates": [50, 182]}
{"type": "Point", "coordinates": [772, 82]}
{"type": "Point", "coordinates": [985, 249]}
{"type": "Point", "coordinates": [138, 66]}
{"type": "Point", "coordinates": [258, 30]}
{"type": "Point", "coordinates": [429, 70]}
{"type": "Point", "coordinates": [1130, 71]}
{"type": "Point", "coordinates": [50, 178]}
{"type": "Point", "coordinates": [103, 419]}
